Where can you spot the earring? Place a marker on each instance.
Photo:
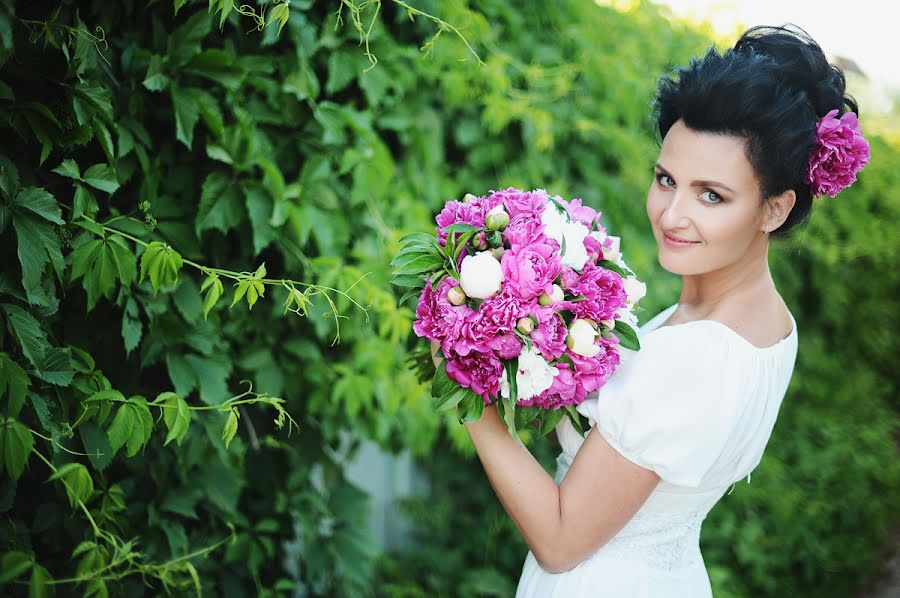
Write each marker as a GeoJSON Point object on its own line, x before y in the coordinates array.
{"type": "Point", "coordinates": [766, 229]}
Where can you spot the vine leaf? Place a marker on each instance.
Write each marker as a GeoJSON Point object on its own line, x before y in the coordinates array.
{"type": "Point", "coordinates": [253, 287]}
{"type": "Point", "coordinates": [13, 564]}
{"type": "Point", "coordinates": [161, 263]}
{"type": "Point", "coordinates": [78, 482]}
{"type": "Point", "coordinates": [15, 447]}
{"type": "Point", "coordinates": [131, 426]}
{"type": "Point", "coordinates": [100, 262]}
{"type": "Point", "coordinates": [231, 426]}
{"type": "Point", "coordinates": [13, 384]}
{"type": "Point", "coordinates": [28, 332]}
{"type": "Point", "coordinates": [212, 296]}
{"type": "Point", "coordinates": [176, 414]}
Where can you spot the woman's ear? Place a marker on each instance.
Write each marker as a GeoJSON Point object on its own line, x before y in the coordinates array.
{"type": "Point", "coordinates": [778, 209]}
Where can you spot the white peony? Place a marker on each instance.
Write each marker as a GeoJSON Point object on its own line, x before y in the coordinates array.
{"type": "Point", "coordinates": [634, 288]}
{"type": "Point", "coordinates": [581, 337]}
{"type": "Point", "coordinates": [553, 221]}
{"type": "Point", "coordinates": [480, 275]}
{"type": "Point", "coordinates": [557, 226]}
{"type": "Point", "coordinates": [533, 377]}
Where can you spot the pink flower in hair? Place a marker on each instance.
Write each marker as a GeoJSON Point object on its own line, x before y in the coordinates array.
{"type": "Point", "coordinates": [840, 152]}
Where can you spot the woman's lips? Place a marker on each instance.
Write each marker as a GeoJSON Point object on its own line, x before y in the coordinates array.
{"type": "Point", "coordinates": [673, 242]}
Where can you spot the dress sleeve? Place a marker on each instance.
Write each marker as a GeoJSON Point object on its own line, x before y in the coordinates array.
{"type": "Point", "coordinates": [673, 405]}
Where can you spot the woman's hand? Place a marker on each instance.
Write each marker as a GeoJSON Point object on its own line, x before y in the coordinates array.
{"type": "Point", "coordinates": [437, 360]}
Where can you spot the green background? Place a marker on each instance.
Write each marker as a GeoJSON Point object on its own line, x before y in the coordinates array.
{"type": "Point", "coordinates": [239, 147]}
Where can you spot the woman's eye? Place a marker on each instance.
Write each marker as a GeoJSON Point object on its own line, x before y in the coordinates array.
{"type": "Point", "coordinates": [713, 196]}
{"type": "Point", "coordinates": [665, 180]}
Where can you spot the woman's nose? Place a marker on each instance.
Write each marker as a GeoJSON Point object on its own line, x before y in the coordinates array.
{"type": "Point", "coordinates": [674, 216]}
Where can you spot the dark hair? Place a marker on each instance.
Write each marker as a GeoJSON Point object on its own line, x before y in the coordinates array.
{"type": "Point", "coordinates": [771, 88]}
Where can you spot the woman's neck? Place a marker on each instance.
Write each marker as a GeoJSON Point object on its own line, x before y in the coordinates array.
{"type": "Point", "coordinates": [745, 280]}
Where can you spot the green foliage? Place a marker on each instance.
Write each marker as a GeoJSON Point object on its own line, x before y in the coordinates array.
{"type": "Point", "coordinates": [290, 166]}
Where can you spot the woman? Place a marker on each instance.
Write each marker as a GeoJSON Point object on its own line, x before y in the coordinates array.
{"type": "Point", "coordinates": [744, 150]}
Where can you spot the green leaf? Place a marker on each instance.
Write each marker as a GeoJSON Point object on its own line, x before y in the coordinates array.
{"type": "Point", "coordinates": [14, 384]}
{"type": "Point", "coordinates": [470, 408]}
{"type": "Point", "coordinates": [39, 586]}
{"type": "Point", "coordinates": [441, 384]}
{"type": "Point", "coordinates": [259, 207]}
{"type": "Point", "coordinates": [9, 178]}
{"type": "Point", "coordinates": [155, 79]}
{"type": "Point", "coordinates": [56, 367]}
{"type": "Point", "coordinates": [575, 418]}
{"type": "Point", "coordinates": [13, 564]}
{"type": "Point", "coordinates": [40, 203]}
{"type": "Point", "coordinates": [507, 410]}
{"type": "Point", "coordinates": [187, 112]}
{"type": "Point", "coordinates": [143, 426]}
{"type": "Point", "coordinates": [220, 204]}
{"type": "Point", "coordinates": [38, 245]}
{"type": "Point", "coordinates": [550, 420]}
{"type": "Point", "coordinates": [77, 481]}
{"type": "Point", "coordinates": [101, 262]}
{"type": "Point", "coordinates": [213, 294]}
{"type": "Point", "coordinates": [28, 332]}
{"type": "Point", "coordinates": [15, 447]}
{"type": "Point", "coordinates": [84, 204]}
{"type": "Point", "coordinates": [121, 428]}
{"type": "Point", "coordinates": [608, 265]}
{"type": "Point", "coordinates": [177, 416]}
{"type": "Point", "coordinates": [628, 338]}
{"type": "Point", "coordinates": [162, 264]}
{"type": "Point", "coordinates": [102, 177]}
{"type": "Point", "coordinates": [231, 426]}
{"type": "Point", "coordinates": [96, 445]}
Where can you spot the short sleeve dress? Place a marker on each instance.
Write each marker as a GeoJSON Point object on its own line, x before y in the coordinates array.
{"type": "Point", "coordinates": [697, 405]}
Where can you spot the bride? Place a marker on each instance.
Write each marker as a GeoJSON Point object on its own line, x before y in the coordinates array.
{"type": "Point", "coordinates": [749, 138]}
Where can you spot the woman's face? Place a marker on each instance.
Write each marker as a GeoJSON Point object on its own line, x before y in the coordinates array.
{"type": "Point", "coordinates": [704, 193]}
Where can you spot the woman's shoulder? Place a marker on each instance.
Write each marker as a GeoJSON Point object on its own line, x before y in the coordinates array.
{"type": "Point", "coordinates": [710, 332]}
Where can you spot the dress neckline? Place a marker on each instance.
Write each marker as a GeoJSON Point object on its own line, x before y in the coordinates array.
{"type": "Point", "coordinates": [663, 315]}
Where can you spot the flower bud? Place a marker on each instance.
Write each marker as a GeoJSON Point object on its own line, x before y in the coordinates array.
{"type": "Point", "coordinates": [526, 325]}
{"type": "Point", "coordinates": [634, 289]}
{"type": "Point", "coordinates": [580, 338]}
{"type": "Point", "coordinates": [456, 296]}
{"type": "Point", "coordinates": [555, 296]}
{"type": "Point", "coordinates": [468, 197]}
{"type": "Point", "coordinates": [498, 252]}
{"type": "Point", "coordinates": [497, 219]}
{"type": "Point", "coordinates": [479, 241]}
{"type": "Point", "coordinates": [608, 324]}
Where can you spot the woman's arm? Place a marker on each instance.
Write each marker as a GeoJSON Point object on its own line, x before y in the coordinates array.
{"type": "Point", "coordinates": [562, 524]}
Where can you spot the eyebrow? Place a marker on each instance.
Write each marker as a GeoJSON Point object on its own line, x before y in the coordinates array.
{"type": "Point", "coordinates": [700, 183]}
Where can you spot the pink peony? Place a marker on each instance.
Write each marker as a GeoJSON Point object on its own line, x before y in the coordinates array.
{"type": "Point", "coordinates": [594, 248]}
{"type": "Point", "coordinates": [530, 269]}
{"type": "Point", "coordinates": [581, 213]}
{"type": "Point", "coordinates": [561, 393]}
{"type": "Point", "coordinates": [521, 202]}
{"type": "Point", "coordinates": [436, 318]}
{"type": "Point", "coordinates": [524, 229]}
{"type": "Point", "coordinates": [592, 372]}
{"type": "Point", "coordinates": [549, 336]}
{"type": "Point", "coordinates": [840, 152]}
{"type": "Point", "coordinates": [476, 370]}
{"type": "Point", "coordinates": [602, 289]}
{"type": "Point", "coordinates": [457, 211]}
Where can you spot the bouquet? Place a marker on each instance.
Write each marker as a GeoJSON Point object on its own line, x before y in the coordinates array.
{"type": "Point", "coordinates": [529, 300]}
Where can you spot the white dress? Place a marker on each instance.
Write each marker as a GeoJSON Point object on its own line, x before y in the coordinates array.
{"type": "Point", "coordinates": [696, 404]}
